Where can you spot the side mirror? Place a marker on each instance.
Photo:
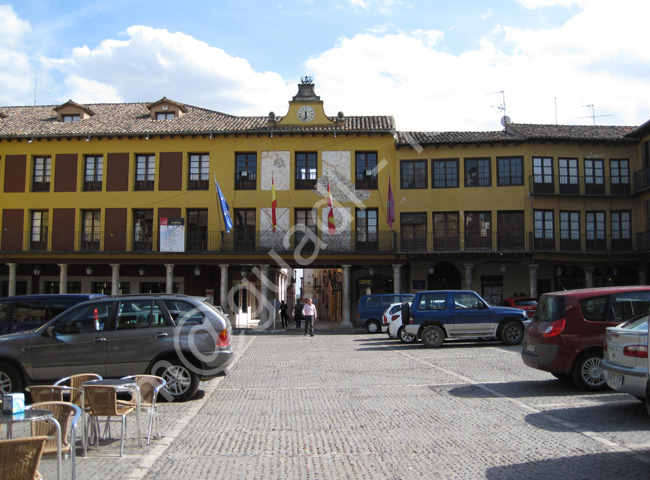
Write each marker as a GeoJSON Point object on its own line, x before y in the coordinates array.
{"type": "Point", "coordinates": [50, 331]}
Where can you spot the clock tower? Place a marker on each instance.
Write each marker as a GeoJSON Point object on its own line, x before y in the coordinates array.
{"type": "Point", "coordinates": [306, 108]}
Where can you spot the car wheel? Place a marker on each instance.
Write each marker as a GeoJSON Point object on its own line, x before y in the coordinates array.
{"type": "Point", "coordinates": [561, 376]}
{"type": "Point", "coordinates": [10, 379]}
{"type": "Point", "coordinates": [182, 383]}
{"type": "Point", "coordinates": [588, 371]}
{"type": "Point", "coordinates": [512, 333]}
{"type": "Point", "coordinates": [405, 337]}
{"type": "Point", "coordinates": [433, 336]}
{"type": "Point", "coordinates": [373, 327]}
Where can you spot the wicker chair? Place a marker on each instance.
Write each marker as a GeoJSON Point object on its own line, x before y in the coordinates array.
{"type": "Point", "coordinates": [102, 402]}
{"type": "Point", "coordinates": [46, 393]}
{"type": "Point", "coordinates": [149, 386]}
{"type": "Point", "coordinates": [75, 383]}
{"type": "Point", "coordinates": [67, 414]}
{"type": "Point", "coordinates": [20, 457]}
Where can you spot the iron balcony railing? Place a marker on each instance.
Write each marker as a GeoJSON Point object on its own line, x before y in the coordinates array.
{"type": "Point", "coordinates": [384, 242]}
{"type": "Point", "coordinates": [579, 185]}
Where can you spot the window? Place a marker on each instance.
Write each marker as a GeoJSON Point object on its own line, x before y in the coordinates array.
{"type": "Point", "coordinates": [91, 224]}
{"type": "Point", "coordinates": [413, 232]}
{"type": "Point", "coordinates": [445, 231]}
{"type": "Point", "coordinates": [413, 174]}
{"type": "Point", "coordinates": [184, 313]}
{"type": "Point", "coordinates": [306, 170]}
{"type": "Point", "coordinates": [245, 171]}
{"type": "Point", "coordinates": [143, 230]}
{"type": "Point", "coordinates": [53, 287]}
{"type": "Point", "coordinates": [245, 229]}
{"type": "Point", "coordinates": [137, 314]}
{"type": "Point", "coordinates": [42, 171]}
{"type": "Point", "coordinates": [444, 173]}
{"type": "Point", "coordinates": [510, 171]}
{"type": "Point", "coordinates": [366, 170]}
{"type": "Point", "coordinates": [477, 172]}
{"type": "Point", "coordinates": [594, 177]}
{"type": "Point", "coordinates": [93, 173]}
{"type": "Point", "coordinates": [91, 317]}
{"type": "Point", "coordinates": [568, 173]}
{"type": "Point", "coordinates": [432, 301]}
{"type": "Point", "coordinates": [39, 231]}
{"type": "Point", "coordinates": [478, 230]}
{"type": "Point", "coordinates": [570, 231]}
{"type": "Point", "coordinates": [197, 230]}
{"type": "Point", "coordinates": [544, 233]}
{"type": "Point", "coordinates": [199, 171]}
{"type": "Point", "coordinates": [367, 229]}
{"type": "Point", "coordinates": [69, 118]}
{"type": "Point", "coordinates": [306, 217]}
{"type": "Point", "coordinates": [619, 172]}
{"type": "Point", "coordinates": [510, 230]}
{"type": "Point", "coordinates": [106, 288]}
{"type": "Point", "coordinates": [543, 175]}
{"type": "Point", "coordinates": [157, 287]}
{"type": "Point", "coordinates": [165, 115]}
{"type": "Point", "coordinates": [595, 239]}
{"type": "Point", "coordinates": [466, 301]}
{"type": "Point", "coordinates": [621, 230]}
{"type": "Point", "coordinates": [145, 172]}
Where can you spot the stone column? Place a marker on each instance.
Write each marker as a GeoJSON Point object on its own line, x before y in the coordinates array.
{"type": "Point", "coordinates": [223, 291]}
{"type": "Point", "coordinates": [642, 275]}
{"type": "Point", "coordinates": [397, 278]}
{"type": "Point", "coordinates": [11, 290]}
{"type": "Point", "coordinates": [469, 274]}
{"type": "Point", "coordinates": [169, 278]}
{"type": "Point", "coordinates": [266, 315]}
{"type": "Point", "coordinates": [63, 278]}
{"type": "Point", "coordinates": [346, 324]}
{"type": "Point", "coordinates": [532, 279]}
{"type": "Point", "coordinates": [589, 277]}
{"type": "Point", "coordinates": [115, 278]}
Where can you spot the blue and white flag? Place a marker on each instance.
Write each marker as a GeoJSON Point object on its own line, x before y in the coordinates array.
{"type": "Point", "coordinates": [225, 209]}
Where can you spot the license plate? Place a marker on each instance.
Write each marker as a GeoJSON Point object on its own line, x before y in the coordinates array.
{"type": "Point", "coordinates": [530, 347]}
{"type": "Point", "coordinates": [615, 379]}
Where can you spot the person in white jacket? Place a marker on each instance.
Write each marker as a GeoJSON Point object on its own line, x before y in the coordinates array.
{"type": "Point", "coordinates": [309, 314]}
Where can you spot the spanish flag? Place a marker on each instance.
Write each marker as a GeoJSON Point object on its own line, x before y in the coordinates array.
{"type": "Point", "coordinates": [274, 203]}
{"type": "Point", "coordinates": [331, 229]}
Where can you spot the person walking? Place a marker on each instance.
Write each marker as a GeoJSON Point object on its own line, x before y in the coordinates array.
{"type": "Point", "coordinates": [309, 312]}
{"type": "Point", "coordinates": [283, 314]}
{"type": "Point", "coordinates": [297, 313]}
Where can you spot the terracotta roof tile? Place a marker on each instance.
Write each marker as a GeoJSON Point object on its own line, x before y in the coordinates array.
{"type": "Point", "coordinates": [134, 119]}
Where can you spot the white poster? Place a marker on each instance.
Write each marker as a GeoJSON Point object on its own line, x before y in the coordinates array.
{"type": "Point", "coordinates": [172, 234]}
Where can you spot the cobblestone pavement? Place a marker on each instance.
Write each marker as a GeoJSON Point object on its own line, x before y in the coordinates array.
{"type": "Point", "coordinates": [360, 406]}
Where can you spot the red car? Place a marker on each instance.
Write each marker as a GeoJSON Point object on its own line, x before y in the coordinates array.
{"type": "Point", "coordinates": [528, 304]}
{"type": "Point", "coordinates": [566, 335]}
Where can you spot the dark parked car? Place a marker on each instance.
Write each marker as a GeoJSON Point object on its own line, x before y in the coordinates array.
{"type": "Point", "coordinates": [180, 338]}
{"type": "Point", "coordinates": [26, 312]}
{"type": "Point", "coordinates": [567, 333]}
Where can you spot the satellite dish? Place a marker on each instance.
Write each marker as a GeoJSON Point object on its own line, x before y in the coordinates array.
{"type": "Point", "coordinates": [505, 121]}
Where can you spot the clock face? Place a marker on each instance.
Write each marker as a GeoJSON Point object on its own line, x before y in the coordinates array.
{"type": "Point", "coordinates": [305, 114]}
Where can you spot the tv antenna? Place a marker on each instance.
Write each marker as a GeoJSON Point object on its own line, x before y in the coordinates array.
{"type": "Point", "coordinates": [593, 113]}
{"type": "Point", "coordinates": [505, 119]}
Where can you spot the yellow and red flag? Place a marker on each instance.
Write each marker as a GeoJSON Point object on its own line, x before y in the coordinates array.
{"type": "Point", "coordinates": [331, 229]}
{"type": "Point", "coordinates": [274, 203]}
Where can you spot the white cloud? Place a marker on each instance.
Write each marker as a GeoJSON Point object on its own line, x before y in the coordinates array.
{"type": "Point", "coordinates": [12, 29]}
{"type": "Point", "coordinates": [16, 71]}
{"type": "Point", "coordinates": [552, 3]}
{"type": "Point", "coordinates": [153, 63]}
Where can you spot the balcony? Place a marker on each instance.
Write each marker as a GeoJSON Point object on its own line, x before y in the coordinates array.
{"type": "Point", "coordinates": [383, 242]}
{"type": "Point", "coordinates": [579, 185]}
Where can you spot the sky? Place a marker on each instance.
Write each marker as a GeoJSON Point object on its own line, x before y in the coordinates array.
{"type": "Point", "coordinates": [433, 65]}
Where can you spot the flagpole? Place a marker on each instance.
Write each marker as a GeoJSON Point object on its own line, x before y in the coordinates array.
{"type": "Point", "coordinates": [216, 194]}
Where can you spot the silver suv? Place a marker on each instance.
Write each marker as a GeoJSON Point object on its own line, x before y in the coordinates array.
{"type": "Point", "coordinates": [180, 338]}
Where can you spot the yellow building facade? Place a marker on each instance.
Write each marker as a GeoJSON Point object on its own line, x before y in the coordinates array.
{"type": "Point", "coordinates": [121, 198]}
